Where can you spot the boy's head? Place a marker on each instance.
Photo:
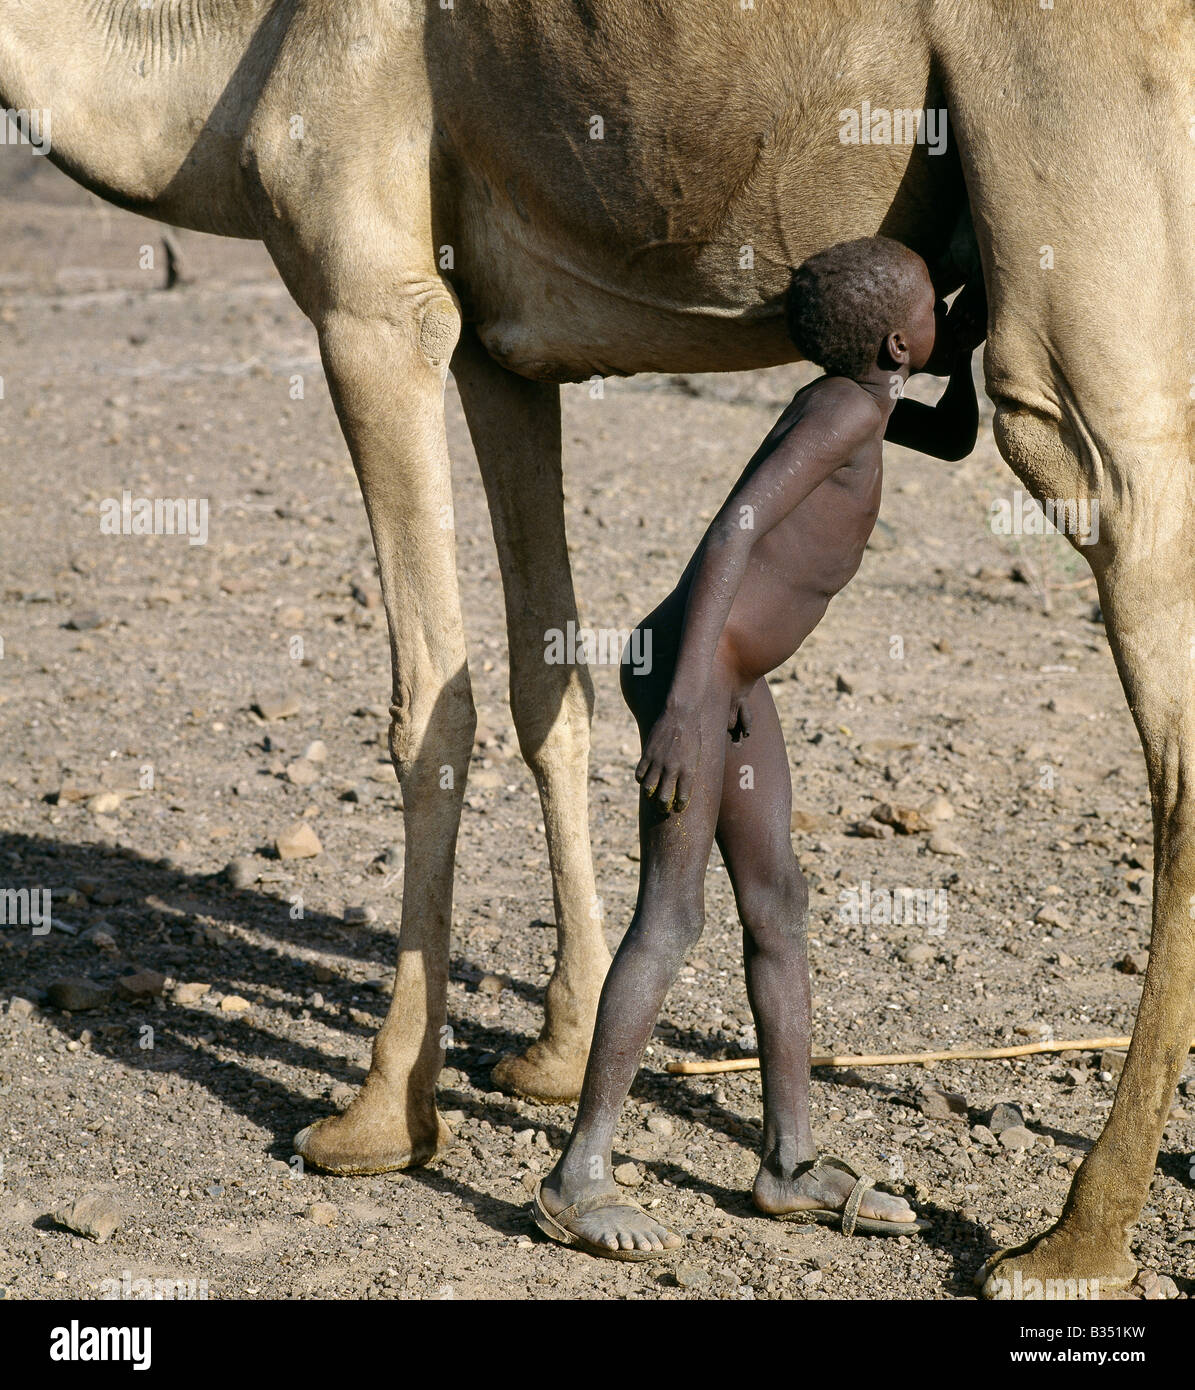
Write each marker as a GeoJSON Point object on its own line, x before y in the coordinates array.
{"type": "Point", "coordinates": [855, 300]}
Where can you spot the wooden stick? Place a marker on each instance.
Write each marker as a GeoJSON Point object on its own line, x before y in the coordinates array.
{"type": "Point", "coordinates": [894, 1059]}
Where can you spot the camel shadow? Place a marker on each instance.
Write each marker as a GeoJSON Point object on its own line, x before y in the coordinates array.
{"type": "Point", "coordinates": [296, 971]}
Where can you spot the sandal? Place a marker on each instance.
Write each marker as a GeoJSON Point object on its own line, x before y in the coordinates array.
{"type": "Point", "coordinates": [848, 1220]}
{"type": "Point", "coordinates": [556, 1227]}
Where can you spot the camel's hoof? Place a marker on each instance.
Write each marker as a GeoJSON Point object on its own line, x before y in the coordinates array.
{"type": "Point", "coordinates": [1058, 1267]}
{"type": "Point", "coordinates": [349, 1144]}
{"type": "Point", "coordinates": [541, 1073]}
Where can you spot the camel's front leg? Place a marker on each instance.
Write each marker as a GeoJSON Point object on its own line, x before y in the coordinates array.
{"type": "Point", "coordinates": [387, 380]}
{"type": "Point", "coordinates": [515, 426]}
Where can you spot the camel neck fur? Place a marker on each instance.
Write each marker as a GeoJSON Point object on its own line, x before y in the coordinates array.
{"type": "Point", "coordinates": [145, 106]}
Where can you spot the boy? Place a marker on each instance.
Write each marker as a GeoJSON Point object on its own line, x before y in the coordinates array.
{"type": "Point", "coordinates": [788, 537]}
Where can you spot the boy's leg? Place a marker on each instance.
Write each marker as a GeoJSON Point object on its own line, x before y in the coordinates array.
{"type": "Point", "coordinates": [668, 921]}
{"type": "Point", "coordinates": [753, 834]}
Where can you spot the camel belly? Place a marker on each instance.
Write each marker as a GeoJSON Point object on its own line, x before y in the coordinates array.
{"type": "Point", "coordinates": [628, 187]}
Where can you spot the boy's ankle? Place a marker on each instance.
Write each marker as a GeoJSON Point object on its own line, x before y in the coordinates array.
{"type": "Point", "coordinates": [785, 1156]}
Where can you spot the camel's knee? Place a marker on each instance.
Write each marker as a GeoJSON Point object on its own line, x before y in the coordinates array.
{"type": "Point", "coordinates": [417, 326]}
{"type": "Point", "coordinates": [432, 725]}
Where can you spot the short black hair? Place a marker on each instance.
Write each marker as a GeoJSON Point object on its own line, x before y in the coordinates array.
{"type": "Point", "coordinates": [843, 302]}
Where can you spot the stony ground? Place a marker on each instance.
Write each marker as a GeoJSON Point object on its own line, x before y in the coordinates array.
{"type": "Point", "coordinates": [964, 674]}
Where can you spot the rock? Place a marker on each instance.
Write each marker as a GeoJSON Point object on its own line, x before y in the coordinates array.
{"type": "Point", "coordinates": [94, 1215]}
{"type": "Point", "coordinates": [360, 914]}
{"type": "Point", "coordinates": [86, 620]}
{"type": "Point", "coordinates": [983, 1135]}
{"type": "Point", "coordinates": [274, 707]}
{"type": "Point", "coordinates": [846, 684]}
{"type": "Point", "coordinates": [872, 830]}
{"type": "Point", "coordinates": [1112, 1060]}
{"type": "Point", "coordinates": [812, 1279]}
{"type": "Point", "coordinates": [493, 985]}
{"type": "Point", "coordinates": [1134, 963]}
{"type": "Point", "coordinates": [1164, 1288]}
{"type": "Point", "coordinates": [69, 793]}
{"type": "Point", "coordinates": [317, 751]}
{"type": "Point", "coordinates": [1017, 1137]}
{"type": "Point", "coordinates": [302, 773]}
{"type": "Point", "coordinates": [661, 1126]}
{"type": "Point", "coordinates": [907, 820]}
{"type": "Point", "coordinates": [321, 1213]}
{"type": "Point", "coordinates": [627, 1175]}
{"type": "Point", "coordinates": [142, 984]}
{"type": "Point", "coordinates": [241, 873]}
{"type": "Point", "coordinates": [189, 993]}
{"type": "Point", "coordinates": [1042, 1032]}
{"type": "Point", "coordinates": [19, 1007]}
{"type": "Point", "coordinates": [1004, 1116]}
{"type": "Point", "coordinates": [234, 1004]}
{"type": "Point", "coordinates": [1051, 917]}
{"type": "Point", "coordinates": [104, 803]}
{"type": "Point", "coordinates": [692, 1276]}
{"type": "Point", "coordinates": [99, 937]}
{"type": "Point", "coordinates": [941, 843]}
{"type": "Point", "coordinates": [393, 857]}
{"type": "Point", "coordinates": [936, 809]}
{"type": "Point", "coordinates": [938, 1104]}
{"type": "Point", "coordinates": [918, 954]}
{"type": "Point", "coordinates": [298, 841]}
{"type": "Point", "coordinates": [809, 821]}
{"type": "Point", "coordinates": [78, 993]}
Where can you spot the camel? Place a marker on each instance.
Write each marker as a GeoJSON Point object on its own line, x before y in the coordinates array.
{"type": "Point", "coordinates": [527, 192]}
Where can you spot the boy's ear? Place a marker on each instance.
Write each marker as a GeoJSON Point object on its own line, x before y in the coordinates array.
{"type": "Point", "coordinates": [897, 347]}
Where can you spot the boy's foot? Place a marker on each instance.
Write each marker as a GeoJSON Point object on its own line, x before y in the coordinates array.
{"type": "Point", "coordinates": [602, 1220]}
{"type": "Point", "coordinates": [828, 1188]}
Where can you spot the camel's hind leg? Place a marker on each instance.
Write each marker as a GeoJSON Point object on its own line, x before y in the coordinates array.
{"type": "Point", "coordinates": [515, 425]}
{"type": "Point", "coordinates": [1147, 589]}
{"type": "Point", "coordinates": [1091, 288]}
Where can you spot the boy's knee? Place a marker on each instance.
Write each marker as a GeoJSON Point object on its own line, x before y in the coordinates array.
{"type": "Point", "coordinates": [778, 905]}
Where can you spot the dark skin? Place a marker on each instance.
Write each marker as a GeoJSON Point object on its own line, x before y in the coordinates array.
{"type": "Point", "coordinates": [714, 764]}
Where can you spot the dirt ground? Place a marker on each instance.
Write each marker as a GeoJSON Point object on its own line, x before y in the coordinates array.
{"type": "Point", "coordinates": [961, 665]}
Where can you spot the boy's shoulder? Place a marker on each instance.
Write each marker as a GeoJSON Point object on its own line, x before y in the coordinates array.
{"type": "Point", "coordinates": [855, 411]}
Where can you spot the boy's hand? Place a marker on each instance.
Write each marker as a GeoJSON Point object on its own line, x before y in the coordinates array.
{"type": "Point", "coordinates": [967, 321]}
{"type": "Point", "coordinates": [670, 757]}
{"type": "Point", "coordinates": [961, 329]}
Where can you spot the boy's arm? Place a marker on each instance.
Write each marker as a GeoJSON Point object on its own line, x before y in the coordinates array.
{"type": "Point", "coordinates": [946, 430]}
{"type": "Point", "coordinates": [786, 468]}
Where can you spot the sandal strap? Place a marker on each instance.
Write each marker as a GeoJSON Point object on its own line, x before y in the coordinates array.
{"type": "Point", "coordinates": [850, 1212]}
{"type": "Point", "coordinates": [594, 1202]}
